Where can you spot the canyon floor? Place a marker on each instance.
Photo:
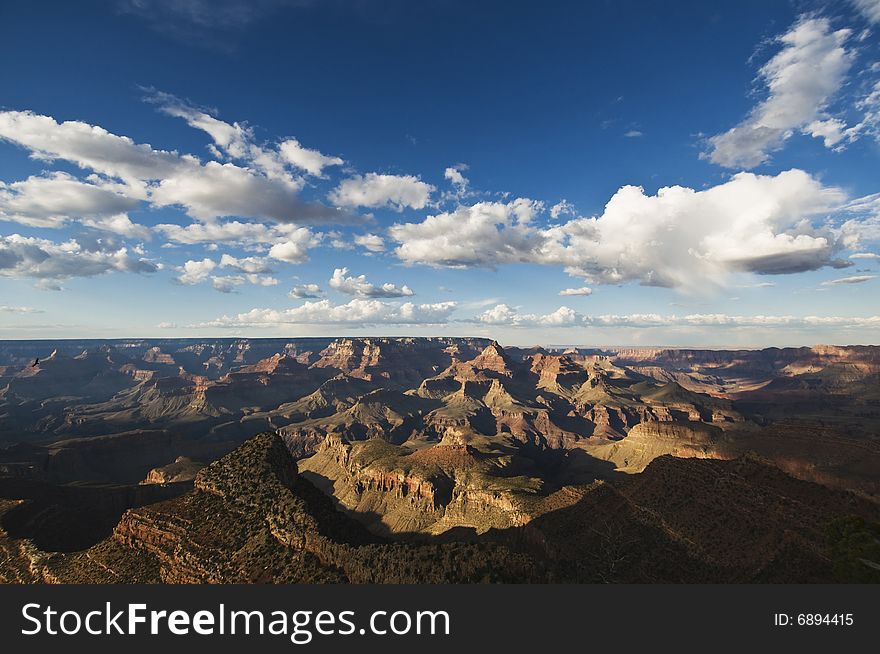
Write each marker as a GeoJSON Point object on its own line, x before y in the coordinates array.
{"type": "Point", "coordinates": [381, 460]}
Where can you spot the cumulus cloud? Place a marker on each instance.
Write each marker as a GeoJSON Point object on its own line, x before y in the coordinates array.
{"type": "Point", "coordinates": [165, 178]}
{"type": "Point", "coordinates": [52, 200]}
{"type": "Point", "coordinates": [89, 146]}
{"type": "Point", "coordinates": [246, 264]}
{"type": "Point", "coordinates": [865, 255]}
{"type": "Point", "coordinates": [306, 292]}
{"type": "Point", "coordinates": [370, 242]}
{"type": "Point", "coordinates": [359, 286]}
{"type": "Point", "coordinates": [217, 190]}
{"type": "Point", "coordinates": [288, 242]}
{"type": "Point", "coordinates": [503, 315]}
{"type": "Point", "coordinates": [228, 283]}
{"type": "Point", "coordinates": [562, 208]}
{"type": "Point", "coordinates": [460, 183]}
{"type": "Point", "coordinates": [801, 79]}
{"type": "Point", "coordinates": [223, 232]}
{"type": "Point", "coordinates": [196, 272]}
{"type": "Point", "coordinates": [357, 312]}
{"type": "Point", "coordinates": [583, 290]}
{"type": "Point", "coordinates": [680, 238]}
{"type": "Point", "coordinates": [374, 190]}
{"type": "Point", "coordinates": [486, 233]}
{"type": "Point", "coordinates": [295, 246]}
{"type": "Point", "coordinates": [454, 175]}
{"type": "Point", "coordinates": [836, 134]}
{"type": "Point", "coordinates": [119, 224]}
{"type": "Point", "coordinates": [50, 262]}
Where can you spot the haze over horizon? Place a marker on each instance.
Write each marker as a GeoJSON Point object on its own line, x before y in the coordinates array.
{"type": "Point", "coordinates": [694, 175]}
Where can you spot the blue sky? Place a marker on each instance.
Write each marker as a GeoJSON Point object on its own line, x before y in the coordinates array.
{"type": "Point", "coordinates": [559, 173]}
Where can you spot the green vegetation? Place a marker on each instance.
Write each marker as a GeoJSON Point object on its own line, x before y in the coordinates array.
{"type": "Point", "coordinates": [855, 550]}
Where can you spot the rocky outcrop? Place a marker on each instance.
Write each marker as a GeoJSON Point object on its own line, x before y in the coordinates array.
{"type": "Point", "coordinates": [404, 361]}
{"type": "Point", "coordinates": [181, 470]}
{"type": "Point", "coordinates": [649, 440]}
{"type": "Point", "coordinates": [394, 490]}
{"type": "Point", "coordinates": [252, 518]}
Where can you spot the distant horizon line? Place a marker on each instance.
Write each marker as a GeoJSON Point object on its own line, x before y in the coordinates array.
{"type": "Point", "coordinates": [485, 338]}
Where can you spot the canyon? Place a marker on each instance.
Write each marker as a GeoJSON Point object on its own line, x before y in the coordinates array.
{"type": "Point", "coordinates": [418, 459]}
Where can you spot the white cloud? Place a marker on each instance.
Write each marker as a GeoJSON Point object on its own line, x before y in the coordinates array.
{"type": "Point", "coordinates": [504, 315]}
{"type": "Point", "coordinates": [23, 310]}
{"type": "Point", "coordinates": [50, 262]}
{"type": "Point", "coordinates": [196, 272]}
{"type": "Point", "coordinates": [454, 175]}
{"type": "Point", "coordinates": [486, 233]}
{"type": "Point", "coordinates": [357, 312]}
{"type": "Point", "coordinates": [51, 200]}
{"type": "Point", "coordinates": [633, 134]}
{"type": "Point", "coordinates": [864, 255]}
{"type": "Point", "coordinates": [375, 190]}
{"type": "Point", "coordinates": [311, 161]}
{"type": "Point", "coordinates": [167, 325]}
{"type": "Point", "coordinates": [289, 242]}
{"type": "Point", "coordinates": [205, 191]}
{"type": "Point", "coordinates": [855, 279]}
{"type": "Point", "coordinates": [562, 208]}
{"type": "Point", "coordinates": [228, 283]}
{"type": "Point", "coordinates": [460, 183]}
{"type": "Point", "coordinates": [583, 290]}
{"type": "Point", "coordinates": [89, 146]}
{"type": "Point", "coordinates": [864, 228]}
{"type": "Point", "coordinates": [869, 8]}
{"type": "Point", "coordinates": [831, 130]}
{"type": "Point", "coordinates": [237, 141]}
{"type": "Point", "coordinates": [680, 238]}
{"type": "Point", "coordinates": [216, 232]}
{"type": "Point", "coordinates": [306, 292]}
{"type": "Point", "coordinates": [837, 135]}
{"type": "Point", "coordinates": [246, 264]}
{"type": "Point", "coordinates": [204, 22]}
{"type": "Point", "coordinates": [338, 242]}
{"type": "Point", "coordinates": [295, 247]}
{"type": "Point", "coordinates": [217, 190]}
{"type": "Point", "coordinates": [370, 242]}
{"type": "Point", "coordinates": [801, 79]}
{"type": "Point", "coordinates": [869, 106]}
{"type": "Point", "coordinates": [119, 224]}
{"type": "Point", "coordinates": [724, 320]}
{"type": "Point", "coordinates": [359, 286]}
